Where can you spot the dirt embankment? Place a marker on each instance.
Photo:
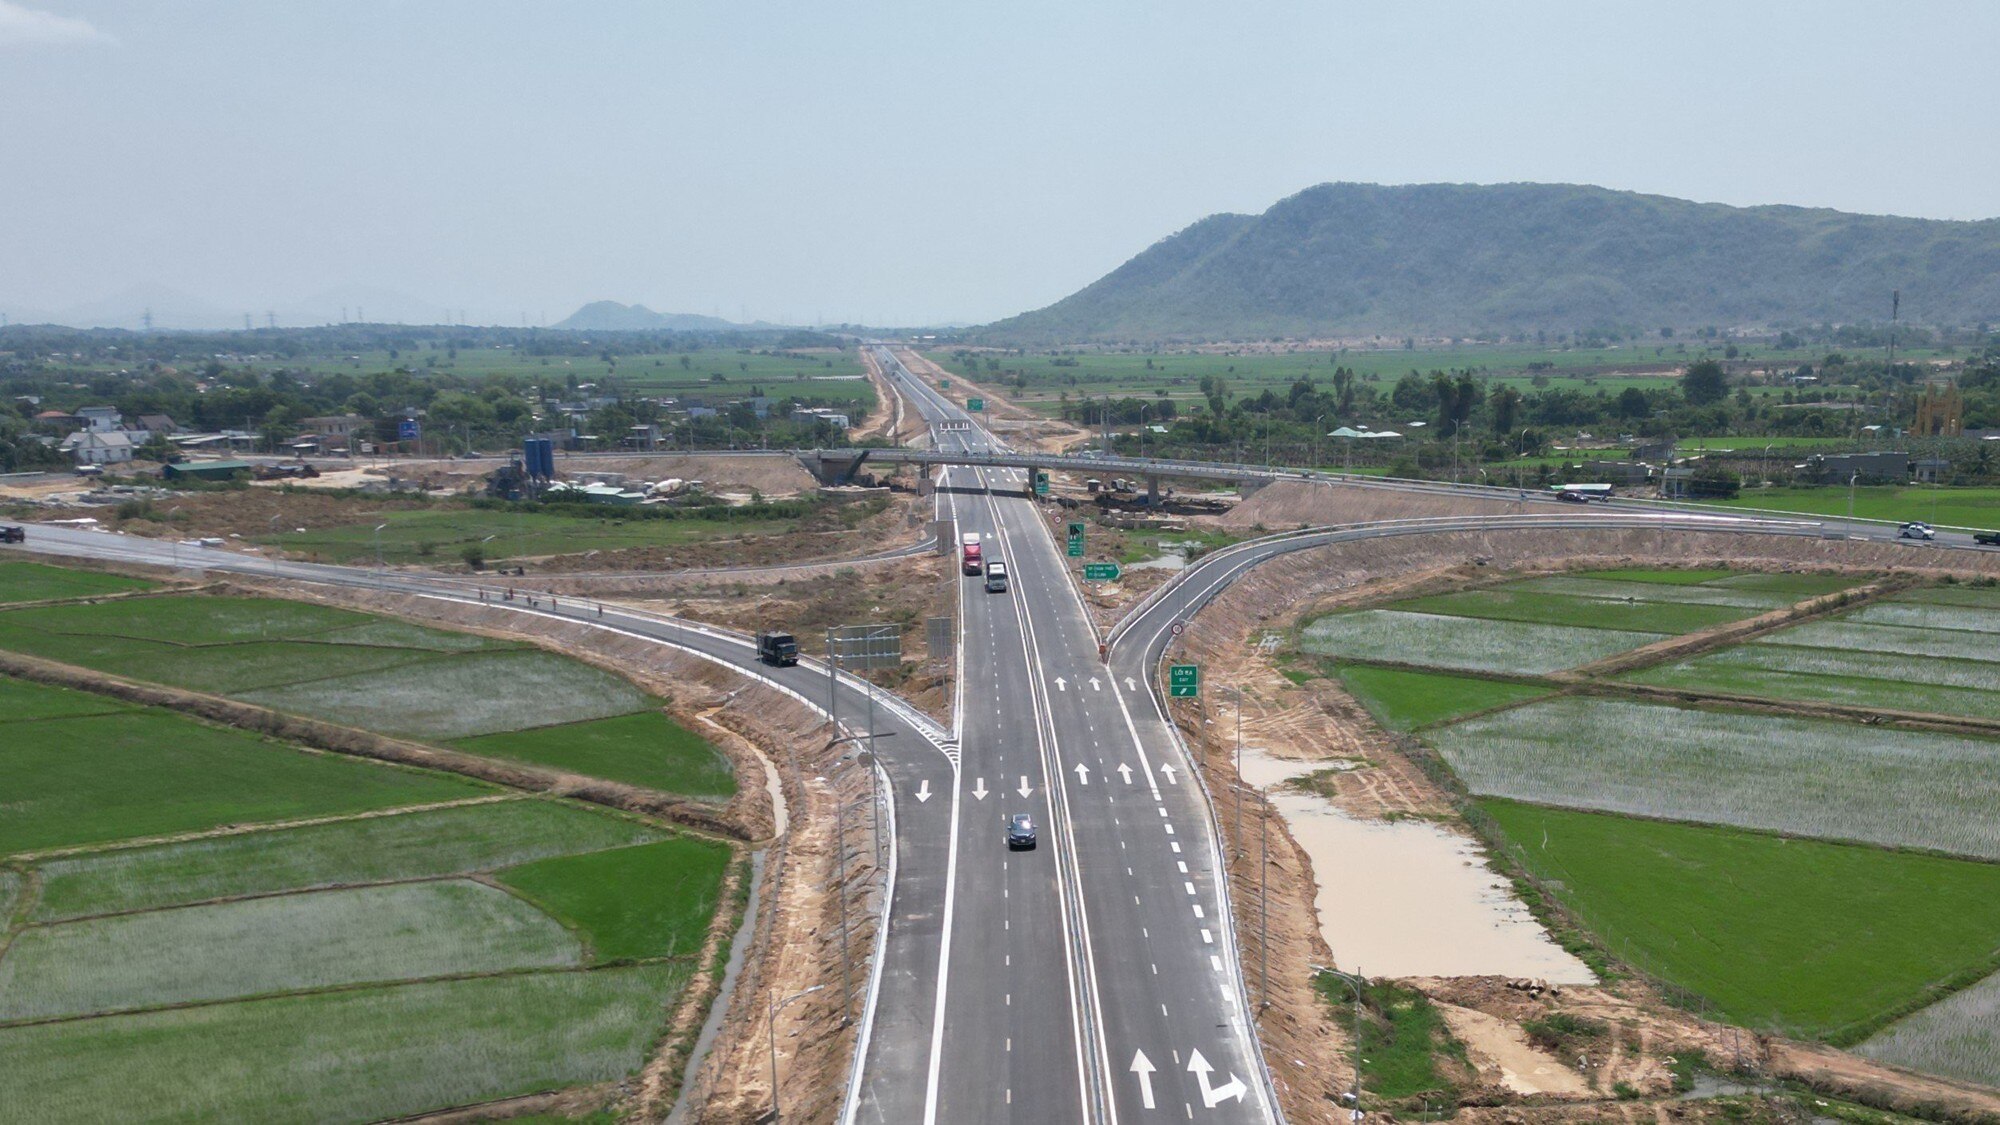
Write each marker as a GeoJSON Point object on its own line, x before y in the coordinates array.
{"type": "Point", "coordinates": [1286, 504]}
{"type": "Point", "coordinates": [897, 421]}
{"type": "Point", "coordinates": [1305, 1049]}
{"type": "Point", "coordinates": [811, 878]}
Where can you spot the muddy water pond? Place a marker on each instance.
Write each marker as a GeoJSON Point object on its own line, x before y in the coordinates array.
{"type": "Point", "coordinates": [1408, 898]}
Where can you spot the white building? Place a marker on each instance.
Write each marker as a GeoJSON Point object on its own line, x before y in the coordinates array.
{"type": "Point", "coordinates": [100, 419]}
{"type": "Point", "coordinates": [90, 447]}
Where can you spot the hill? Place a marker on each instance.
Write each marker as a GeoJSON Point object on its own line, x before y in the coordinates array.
{"type": "Point", "coordinates": [1462, 259]}
{"type": "Point", "coordinates": [610, 316]}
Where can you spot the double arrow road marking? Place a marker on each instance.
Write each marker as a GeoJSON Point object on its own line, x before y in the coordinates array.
{"type": "Point", "coordinates": [1211, 1095]}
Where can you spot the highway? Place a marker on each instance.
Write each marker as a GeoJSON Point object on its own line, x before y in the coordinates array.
{"type": "Point", "coordinates": [1090, 979]}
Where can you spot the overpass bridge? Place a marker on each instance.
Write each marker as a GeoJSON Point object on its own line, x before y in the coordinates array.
{"type": "Point", "coordinates": [839, 466]}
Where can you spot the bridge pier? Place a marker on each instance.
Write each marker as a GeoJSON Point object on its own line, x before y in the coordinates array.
{"type": "Point", "coordinates": [1153, 491]}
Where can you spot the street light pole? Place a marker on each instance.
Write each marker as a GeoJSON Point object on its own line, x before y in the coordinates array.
{"type": "Point", "coordinates": [1354, 981]}
{"type": "Point", "coordinates": [1850, 494]}
{"type": "Point", "coordinates": [378, 552]}
{"type": "Point", "coordinates": [775, 1006]}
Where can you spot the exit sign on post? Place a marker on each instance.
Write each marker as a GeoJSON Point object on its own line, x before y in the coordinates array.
{"type": "Point", "coordinates": [1100, 572]}
{"type": "Point", "coordinates": [975, 404]}
{"type": "Point", "coordinates": [1075, 539]}
{"type": "Point", "coordinates": [1183, 681]}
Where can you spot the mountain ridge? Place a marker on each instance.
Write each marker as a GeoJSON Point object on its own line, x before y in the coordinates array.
{"type": "Point", "coordinates": [610, 316]}
{"type": "Point", "coordinates": [1467, 259]}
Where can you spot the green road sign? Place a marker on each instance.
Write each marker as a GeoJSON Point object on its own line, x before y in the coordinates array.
{"type": "Point", "coordinates": [1041, 484]}
{"type": "Point", "coordinates": [975, 404]}
{"type": "Point", "coordinates": [1100, 572]}
{"type": "Point", "coordinates": [1076, 539]}
{"type": "Point", "coordinates": [945, 384]}
{"type": "Point", "coordinates": [1183, 681]}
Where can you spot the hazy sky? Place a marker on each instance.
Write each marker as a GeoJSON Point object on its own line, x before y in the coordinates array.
{"type": "Point", "coordinates": [895, 163]}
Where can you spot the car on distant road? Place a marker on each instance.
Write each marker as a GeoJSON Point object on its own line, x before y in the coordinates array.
{"type": "Point", "coordinates": [1020, 831]}
{"type": "Point", "coordinates": [12, 533]}
{"type": "Point", "coordinates": [1917, 529]}
{"type": "Point", "coordinates": [1987, 538]}
{"type": "Point", "coordinates": [1572, 497]}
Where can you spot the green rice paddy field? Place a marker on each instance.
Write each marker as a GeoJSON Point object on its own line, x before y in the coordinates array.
{"type": "Point", "coordinates": [1813, 876]}
{"type": "Point", "coordinates": [194, 953]}
{"type": "Point", "coordinates": [33, 582]}
{"type": "Point", "coordinates": [486, 696]}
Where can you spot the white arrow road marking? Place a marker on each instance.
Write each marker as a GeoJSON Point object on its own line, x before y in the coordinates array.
{"type": "Point", "coordinates": [979, 789]}
{"type": "Point", "coordinates": [1212, 1096]}
{"type": "Point", "coordinates": [1095, 685]}
{"type": "Point", "coordinates": [1168, 769]}
{"type": "Point", "coordinates": [1025, 787]}
{"type": "Point", "coordinates": [1061, 685]}
{"type": "Point", "coordinates": [923, 790]}
{"type": "Point", "coordinates": [1082, 774]}
{"type": "Point", "coordinates": [1130, 684]}
{"type": "Point", "coordinates": [1144, 1068]}
{"type": "Point", "coordinates": [1125, 772]}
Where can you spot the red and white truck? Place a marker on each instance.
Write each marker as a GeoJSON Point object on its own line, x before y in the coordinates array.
{"type": "Point", "coordinates": [968, 545]}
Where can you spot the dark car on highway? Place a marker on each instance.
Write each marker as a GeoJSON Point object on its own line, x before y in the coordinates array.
{"type": "Point", "coordinates": [1987, 538]}
{"type": "Point", "coordinates": [1020, 831]}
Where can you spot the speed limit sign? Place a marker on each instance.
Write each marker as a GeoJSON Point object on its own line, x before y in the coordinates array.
{"type": "Point", "coordinates": [1178, 629]}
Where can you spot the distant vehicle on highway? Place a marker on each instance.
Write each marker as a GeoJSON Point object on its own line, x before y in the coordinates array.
{"type": "Point", "coordinates": [208, 541]}
{"type": "Point", "coordinates": [12, 533]}
{"type": "Point", "coordinates": [1572, 498]}
{"type": "Point", "coordinates": [968, 544]}
{"type": "Point", "coordinates": [1020, 831]}
{"type": "Point", "coordinates": [1987, 538]}
{"type": "Point", "coordinates": [1917, 529]}
{"type": "Point", "coordinates": [781, 649]}
{"type": "Point", "coordinates": [996, 577]}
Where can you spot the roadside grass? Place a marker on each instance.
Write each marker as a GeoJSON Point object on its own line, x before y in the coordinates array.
{"type": "Point", "coordinates": [1963, 507]}
{"type": "Point", "coordinates": [1132, 546]}
{"type": "Point", "coordinates": [1817, 778]}
{"type": "Point", "coordinates": [1958, 1037]}
{"type": "Point", "coordinates": [360, 1055]}
{"type": "Point", "coordinates": [653, 900]}
{"type": "Point", "coordinates": [645, 748]}
{"type": "Point", "coordinates": [1440, 641]}
{"type": "Point", "coordinates": [10, 896]}
{"type": "Point", "coordinates": [1799, 936]}
{"type": "Point", "coordinates": [1401, 699]}
{"type": "Point", "coordinates": [34, 582]}
{"type": "Point", "coordinates": [1877, 680]}
{"type": "Point", "coordinates": [1403, 1037]}
{"type": "Point", "coordinates": [1506, 604]}
{"type": "Point", "coordinates": [148, 772]}
{"type": "Point", "coordinates": [285, 943]}
{"type": "Point", "coordinates": [439, 535]}
{"type": "Point", "coordinates": [24, 701]}
{"type": "Point", "coordinates": [413, 845]}
{"type": "Point", "coordinates": [470, 694]}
